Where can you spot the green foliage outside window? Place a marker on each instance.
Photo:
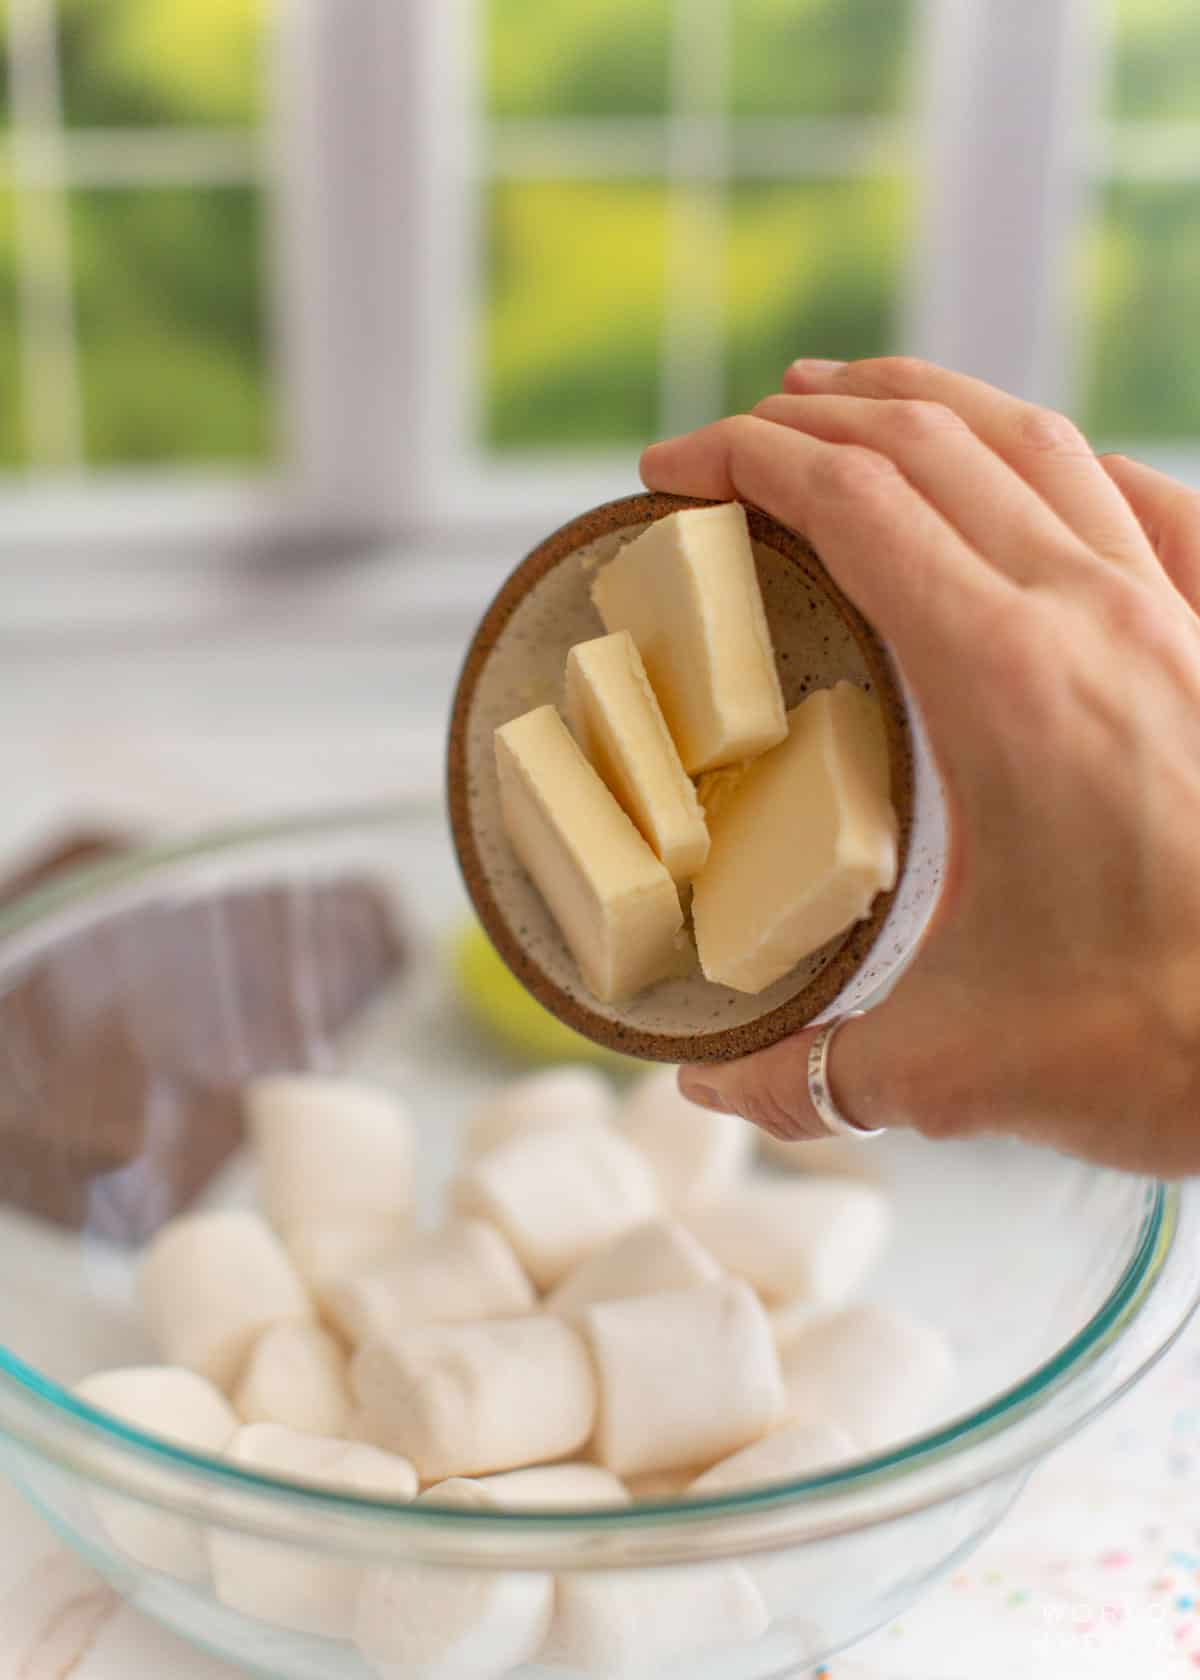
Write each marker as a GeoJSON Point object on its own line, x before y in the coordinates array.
{"type": "Point", "coordinates": [10, 417]}
{"type": "Point", "coordinates": [169, 321]}
{"type": "Point", "coordinates": [153, 63]}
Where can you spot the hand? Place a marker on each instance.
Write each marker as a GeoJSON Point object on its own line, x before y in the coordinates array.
{"type": "Point", "coordinates": [1043, 604]}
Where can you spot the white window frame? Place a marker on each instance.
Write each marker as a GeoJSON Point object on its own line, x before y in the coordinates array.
{"type": "Point", "coordinates": [374, 144]}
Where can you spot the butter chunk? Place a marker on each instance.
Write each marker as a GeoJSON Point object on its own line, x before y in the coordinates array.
{"type": "Point", "coordinates": [687, 592]}
{"type": "Point", "coordinates": [802, 846]}
{"type": "Point", "coordinates": [617, 720]}
{"type": "Point", "coordinates": [614, 901]}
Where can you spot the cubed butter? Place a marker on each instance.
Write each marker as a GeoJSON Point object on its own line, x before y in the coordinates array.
{"type": "Point", "coordinates": [687, 592]}
{"type": "Point", "coordinates": [617, 720]}
{"type": "Point", "coordinates": [613, 900]}
{"type": "Point", "coordinates": [806, 841]}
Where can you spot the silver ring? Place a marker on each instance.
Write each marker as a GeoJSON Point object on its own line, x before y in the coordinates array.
{"type": "Point", "coordinates": [819, 1092]}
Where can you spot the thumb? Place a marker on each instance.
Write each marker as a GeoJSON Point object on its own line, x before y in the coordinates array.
{"type": "Point", "coordinates": [770, 1088]}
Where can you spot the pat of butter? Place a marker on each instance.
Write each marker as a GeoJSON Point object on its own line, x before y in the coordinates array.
{"type": "Point", "coordinates": [714, 787]}
{"type": "Point", "coordinates": [619, 724]}
{"type": "Point", "coordinates": [687, 592]}
{"type": "Point", "coordinates": [802, 846]}
{"type": "Point", "coordinates": [615, 903]}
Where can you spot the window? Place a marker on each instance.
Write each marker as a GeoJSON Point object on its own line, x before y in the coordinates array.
{"type": "Point", "coordinates": [671, 198]}
{"type": "Point", "coordinates": [279, 266]}
{"type": "Point", "coordinates": [193, 271]}
{"type": "Point", "coordinates": [1139, 371]}
{"type": "Point", "coordinates": [134, 329]}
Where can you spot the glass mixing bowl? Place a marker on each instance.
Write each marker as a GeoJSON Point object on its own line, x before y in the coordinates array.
{"type": "Point", "coordinates": [1059, 1285]}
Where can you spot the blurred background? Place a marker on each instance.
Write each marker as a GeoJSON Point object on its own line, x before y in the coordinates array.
{"type": "Point", "coordinates": [313, 313]}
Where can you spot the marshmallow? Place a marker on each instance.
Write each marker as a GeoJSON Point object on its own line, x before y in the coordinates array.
{"type": "Point", "coordinates": [465, 1399]}
{"type": "Point", "coordinates": [827, 1157]}
{"type": "Point", "coordinates": [624, 1622]}
{"type": "Point", "coordinates": [210, 1284]}
{"type": "Point", "coordinates": [685, 1377]}
{"type": "Point", "coordinates": [793, 1318]}
{"type": "Point", "coordinates": [296, 1375]}
{"type": "Point", "coordinates": [290, 1586]}
{"type": "Point", "coordinates": [879, 1374]}
{"type": "Point", "coordinates": [559, 1195]}
{"type": "Point", "coordinates": [659, 1485]}
{"type": "Point", "coordinates": [440, 1623]}
{"type": "Point", "coordinates": [798, 1449]}
{"type": "Point", "coordinates": [330, 1152]}
{"type": "Point", "coordinates": [695, 1154]}
{"type": "Point", "coordinates": [652, 1257]}
{"type": "Point", "coordinates": [561, 1096]}
{"type": "Point", "coordinates": [555, 1487]}
{"type": "Point", "coordinates": [325, 1254]}
{"type": "Point", "coordinates": [181, 1407]}
{"type": "Point", "coordinates": [812, 1238]}
{"type": "Point", "coordinates": [465, 1271]}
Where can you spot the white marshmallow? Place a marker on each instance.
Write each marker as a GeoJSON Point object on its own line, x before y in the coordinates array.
{"type": "Point", "coordinates": [656, 1486]}
{"type": "Point", "coordinates": [827, 1157]}
{"type": "Point", "coordinates": [813, 1238]}
{"type": "Point", "coordinates": [797, 1449]}
{"type": "Point", "coordinates": [793, 1318]}
{"type": "Point", "coordinates": [210, 1284]}
{"type": "Point", "coordinates": [685, 1377]}
{"type": "Point", "coordinates": [330, 1151]}
{"type": "Point", "coordinates": [696, 1155]}
{"type": "Point", "coordinates": [181, 1407]}
{"type": "Point", "coordinates": [464, 1272]}
{"type": "Point", "coordinates": [559, 1195]}
{"type": "Point", "coordinates": [560, 1096]}
{"type": "Point", "coordinates": [880, 1375]}
{"type": "Point", "coordinates": [289, 1586]}
{"type": "Point", "coordinates": [466, 1399]}
{"type": "Point", "coordinates": [652, 1257]}
{"type": "Point", "coordinates": [452, 1624]}
{"type": "Point", "coordinates": [296, 1375]}
{"type": "Point", "coordinates": [555, 1487]}
{"type": "Point", "coordinates": [626, 1622]}
{"type": "Point", "coordinates": [325, 1254]}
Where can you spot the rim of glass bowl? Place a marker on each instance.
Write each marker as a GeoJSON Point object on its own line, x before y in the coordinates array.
{"type": "Point", "coordinates": [1004, 1436]}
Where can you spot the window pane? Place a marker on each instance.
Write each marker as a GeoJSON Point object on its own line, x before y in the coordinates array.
{"type": "Point", "coordinates": [574, 313]}
{"type": "Point", "coordinates": [173, 363]}
{"type": "Point", "coordinates": [12, 450]}
{"type": "Point", "coordinates": [812, 269]}
{"type": "Point", "coordinates": [1156, 59]}
{"type": "Point", "coordinates": [820, 57]}
{"type": "Point", "coordinates": [590, 58]}
{"type": "Point", "coordinates": [144, 62]}
{"type": "Point", "coordinates": [1143, 282]}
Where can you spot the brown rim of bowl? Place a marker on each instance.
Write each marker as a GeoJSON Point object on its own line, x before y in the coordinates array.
{"type": "Point", "coordinates": [797, 1011]}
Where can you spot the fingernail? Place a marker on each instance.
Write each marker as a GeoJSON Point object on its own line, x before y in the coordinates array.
{"type": "Point", "coordinates": [813, 367]}
{"type": "Point", "coordinates": [703, 1095]}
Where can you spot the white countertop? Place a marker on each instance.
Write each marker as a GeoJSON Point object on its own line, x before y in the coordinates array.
{"type": "Point", "coordinates": [316, 688]}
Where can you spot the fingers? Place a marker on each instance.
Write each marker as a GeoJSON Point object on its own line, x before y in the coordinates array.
{"type": "Point", "coordinates": [770, 1088]}
{"type": "Point", "coordinates": [994, 510]}
{"type": "Point", "coordinates": [892, 553]}
{"type": "Point", "coordinates": [1169, 513]}
{"type": "Point", "coordinates": [1043, 447]}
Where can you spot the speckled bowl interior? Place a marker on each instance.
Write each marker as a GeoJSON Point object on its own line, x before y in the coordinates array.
{"type": "Point", "coordinates": [517, 661]}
